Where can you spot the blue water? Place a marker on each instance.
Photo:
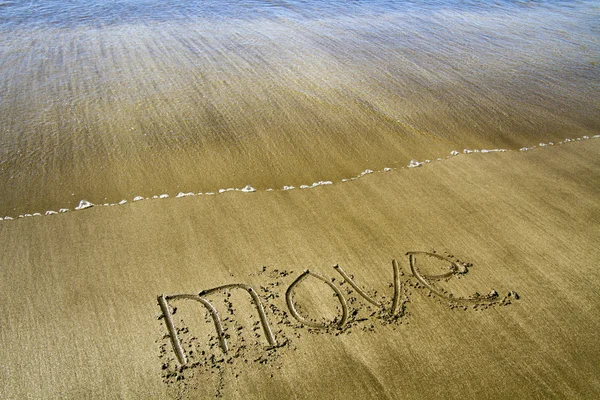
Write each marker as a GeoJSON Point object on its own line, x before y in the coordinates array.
{"type": "Point", "coordinates": [70, 13]}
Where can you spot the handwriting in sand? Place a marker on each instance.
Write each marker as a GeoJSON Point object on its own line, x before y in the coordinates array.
{"type": "Point", "coordinates": [345, 291]}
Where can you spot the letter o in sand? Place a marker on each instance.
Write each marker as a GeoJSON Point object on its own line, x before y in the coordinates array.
{"type": "Point", "coordinates": [304, 321]}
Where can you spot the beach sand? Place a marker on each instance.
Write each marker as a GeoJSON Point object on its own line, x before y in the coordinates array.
{"type": "Point", "coordinates": [80, 316]}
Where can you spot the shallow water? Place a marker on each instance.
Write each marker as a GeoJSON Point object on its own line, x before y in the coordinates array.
{"type": "Point", "coordinates": [109, 100]}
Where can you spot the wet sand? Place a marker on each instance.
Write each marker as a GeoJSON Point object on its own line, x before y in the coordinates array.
{"type": "Point", "coordinates": [80, 316]}
{"type": "Point", "coordinates": [97, 109]}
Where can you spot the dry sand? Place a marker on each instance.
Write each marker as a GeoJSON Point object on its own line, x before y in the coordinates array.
{"type": "Point", "coordinates": [80, 317]}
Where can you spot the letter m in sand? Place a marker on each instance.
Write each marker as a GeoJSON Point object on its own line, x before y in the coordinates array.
{"type": "Point", "coordinates": [164, 303]}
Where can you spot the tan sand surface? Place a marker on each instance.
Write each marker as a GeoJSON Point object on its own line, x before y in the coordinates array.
{"type": "Point", "coordinates": [80, 317]}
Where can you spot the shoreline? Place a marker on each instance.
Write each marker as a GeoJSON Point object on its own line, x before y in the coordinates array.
{"type": "Point", "coordinates": [84, 204]}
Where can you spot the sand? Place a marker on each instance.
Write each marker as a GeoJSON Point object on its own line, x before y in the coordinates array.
{"type": "Point", "coordinates": [80, 316]}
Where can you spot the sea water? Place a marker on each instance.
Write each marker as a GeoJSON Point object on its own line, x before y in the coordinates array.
{"type": "Point", "coordinates": [124, 99]}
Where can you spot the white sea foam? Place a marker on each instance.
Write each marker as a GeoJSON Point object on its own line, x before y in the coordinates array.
{"type": "Point", "coordinates": [248, 189]}
{"type": "Point", "coordinates": [315, 184]}
{"type": "Point", "coordinates": [83, 204]}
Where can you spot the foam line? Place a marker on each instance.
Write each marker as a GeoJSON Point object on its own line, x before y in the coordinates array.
{"type": "Point", "coordinates": [84, 204]}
